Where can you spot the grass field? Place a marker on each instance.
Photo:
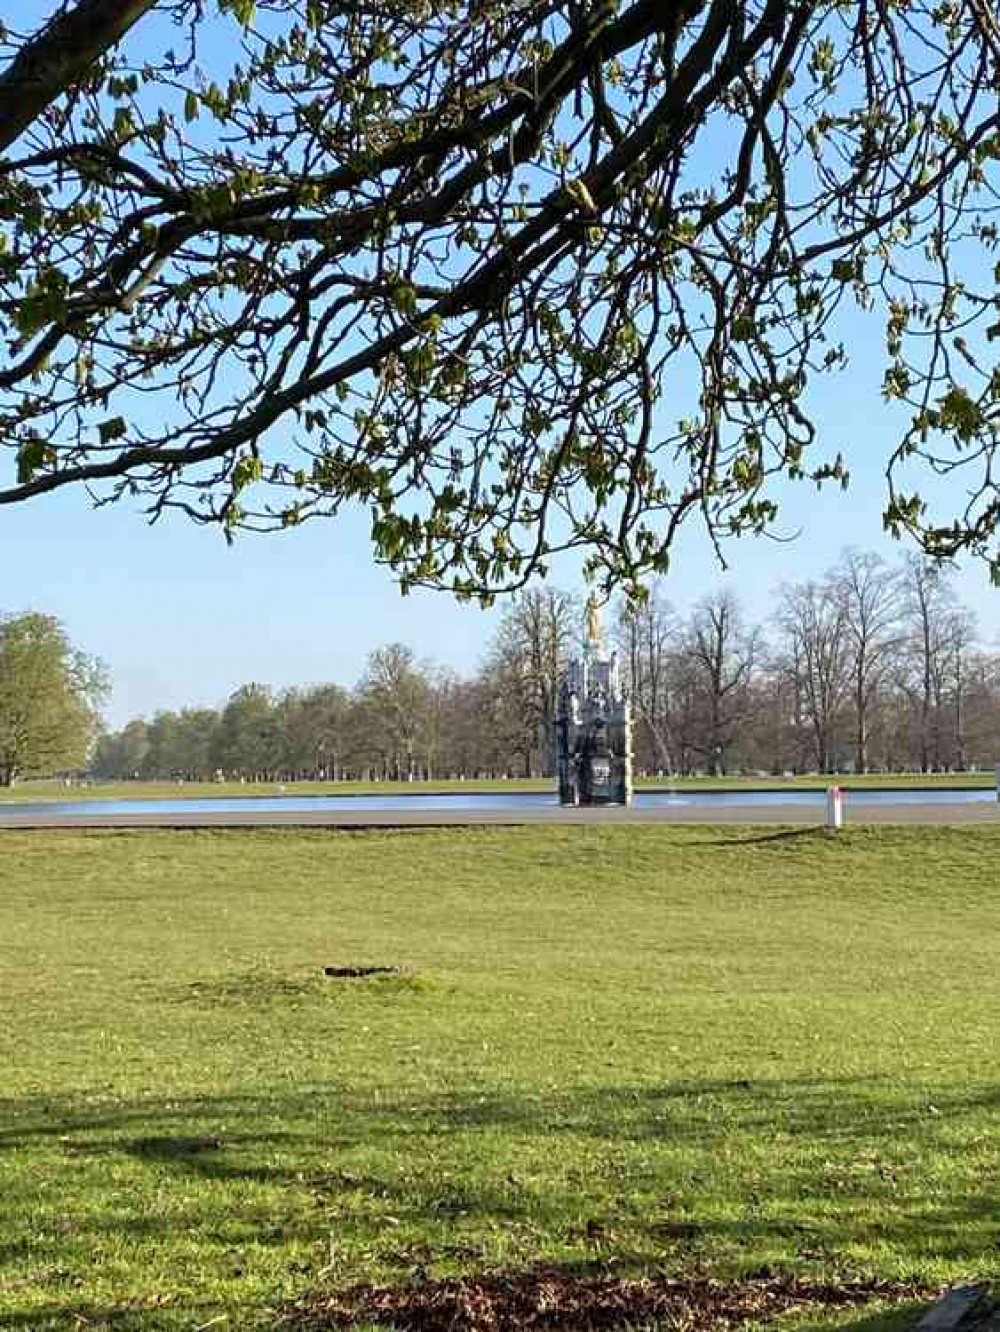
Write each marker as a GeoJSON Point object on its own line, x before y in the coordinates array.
{"type": "Point", "coordinates": [680, 1050]}
{"type": "Point", "coordinates": [53, 790]}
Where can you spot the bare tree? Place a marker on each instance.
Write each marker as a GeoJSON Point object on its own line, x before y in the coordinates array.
{"type": "Point", "coordinates": [928, 598]}
{"type": "Point", "coordinates": [646, 633]}
{"type": "Point", "coordinates": [818, 659]}
{"type": "Point", "coordinates": [395, 692]}
{"type": "Point", "coordinates": [511, 726]}
{"type": "Point", "coordinates": [526, 659]}
{"type": "Point", "coordinates": [869, 594]}
{"type": "Point", "coordinates": [683, 710]}
{"type": "Point", "coordinates": [959, 642]}
{"type": "Point", "coordinates": [776, 740]}
{"type": "Point", "coordinates": [722, 652]}
{"type": "Point", "coordinates": [980, 709]}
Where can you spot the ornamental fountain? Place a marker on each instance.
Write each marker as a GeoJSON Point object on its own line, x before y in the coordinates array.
{"type": "Point", "coordinates": [594, 725]}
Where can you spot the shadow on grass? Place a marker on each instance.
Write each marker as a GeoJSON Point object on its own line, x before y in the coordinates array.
{"type": "Point", "coordinates": [743, 837]}
{"type": "Point", "coordinates": [903, 1318]}
{"type": "Point", "coordinates": [292, 1168]}
{"type": "Point", "coordinates": [83, 1317]}
{"type": "Point", "coordinates": [849, 1110]}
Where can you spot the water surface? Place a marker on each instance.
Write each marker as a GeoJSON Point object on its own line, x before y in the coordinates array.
{"type": "Point", "coordinates": [484, 802]}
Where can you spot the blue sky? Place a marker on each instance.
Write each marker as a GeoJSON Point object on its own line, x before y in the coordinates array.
{"type": "Point", "coordinates": [182, 619]}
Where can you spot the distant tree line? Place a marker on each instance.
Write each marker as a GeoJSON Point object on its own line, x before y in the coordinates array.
{"type": "Point", "coordinates": [869, 668]}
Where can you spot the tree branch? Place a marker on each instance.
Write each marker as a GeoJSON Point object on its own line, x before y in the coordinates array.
{"type": "Point", "coordinates": [58, 57]}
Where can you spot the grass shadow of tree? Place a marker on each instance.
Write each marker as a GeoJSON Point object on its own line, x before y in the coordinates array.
{"type": "Point", "coordinates": [277, 1142]}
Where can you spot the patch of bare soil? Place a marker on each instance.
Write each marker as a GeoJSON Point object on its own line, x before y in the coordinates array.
{"type": "Point", "coordinates": [550, 1300]}
{"type": "Point", "coordinates": [359, 973]}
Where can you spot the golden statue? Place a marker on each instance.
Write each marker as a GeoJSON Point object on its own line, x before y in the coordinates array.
{"type": "Point", "coordinates": [595, 633]}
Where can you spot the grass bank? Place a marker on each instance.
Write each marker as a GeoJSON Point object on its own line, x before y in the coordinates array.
{"type": "Point", "coordinates": [689, 1050]}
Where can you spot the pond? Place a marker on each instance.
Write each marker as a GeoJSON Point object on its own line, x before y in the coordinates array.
{"type": "Point", "coordinates": [486, 802]}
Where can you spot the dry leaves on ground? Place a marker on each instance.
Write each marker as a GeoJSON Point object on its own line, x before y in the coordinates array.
{"type": "Point", "coordinates": [551, 1300]}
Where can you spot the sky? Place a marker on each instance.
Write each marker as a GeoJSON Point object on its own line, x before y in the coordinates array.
{"type": "Point", "coordinates": [182, 619]}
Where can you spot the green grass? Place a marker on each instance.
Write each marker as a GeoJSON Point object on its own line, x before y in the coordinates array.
{"type": "Point", "coordinates": [689, 1049]}
{"type": "Point", "coordinates": [55, 790]}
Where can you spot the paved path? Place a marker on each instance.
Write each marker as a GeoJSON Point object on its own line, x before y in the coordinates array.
{"type": "Point", "coordinates": [988, 811]}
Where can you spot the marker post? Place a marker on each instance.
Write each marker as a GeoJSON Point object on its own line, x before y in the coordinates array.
{"type": "Point", "coordinates": [835, 807]}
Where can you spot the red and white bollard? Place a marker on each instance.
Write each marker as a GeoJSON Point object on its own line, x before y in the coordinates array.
{"type": "Point", "coordinates": [834, 808]}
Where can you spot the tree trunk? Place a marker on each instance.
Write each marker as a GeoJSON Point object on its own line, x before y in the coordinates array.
{"type": "Point", "coordinates": [861, 736]}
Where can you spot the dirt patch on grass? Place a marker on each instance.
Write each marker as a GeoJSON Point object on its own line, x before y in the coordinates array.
{"type": "Point", "coordinates": [260, 986]}
{"type": "Point", "coordinates": [550, 1300]}
{"type": "Point", "coordinates": [249, 987]}
{"type": "Point", "coordinates": [381, 981]}
{"type": "Point", "coordinates": [360, 972]}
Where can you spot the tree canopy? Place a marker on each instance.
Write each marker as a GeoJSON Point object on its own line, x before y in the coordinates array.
{"type": "Point", "coordinates": [49, 696]}
{"type": "Point", "coordinates": [518, 275]}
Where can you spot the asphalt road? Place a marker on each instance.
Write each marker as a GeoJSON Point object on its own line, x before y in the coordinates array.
{"type": "Point", "coordinates": [988, 811]}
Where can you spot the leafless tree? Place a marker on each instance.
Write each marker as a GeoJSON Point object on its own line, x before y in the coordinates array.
{"type": "Point", "coordinates": [722, 652]}
{"type": "Point", "coordinates": [958, 649]}
{"type": "Point", "coordinates": [526, 659]}
{"type": "Point", "coordinates": [395, 693]}
{"type": "Point", "coordinates": [817, 654]}
{"type": "Point", "coordinates": [646, 634]}
{"type": "Point", "coordinates": [870, 596]}
{"type": "Point", "coordinates": [928, 599]}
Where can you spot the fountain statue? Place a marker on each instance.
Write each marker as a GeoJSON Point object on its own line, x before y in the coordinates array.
{"type": "Point", "coordinates": [594, 724]}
